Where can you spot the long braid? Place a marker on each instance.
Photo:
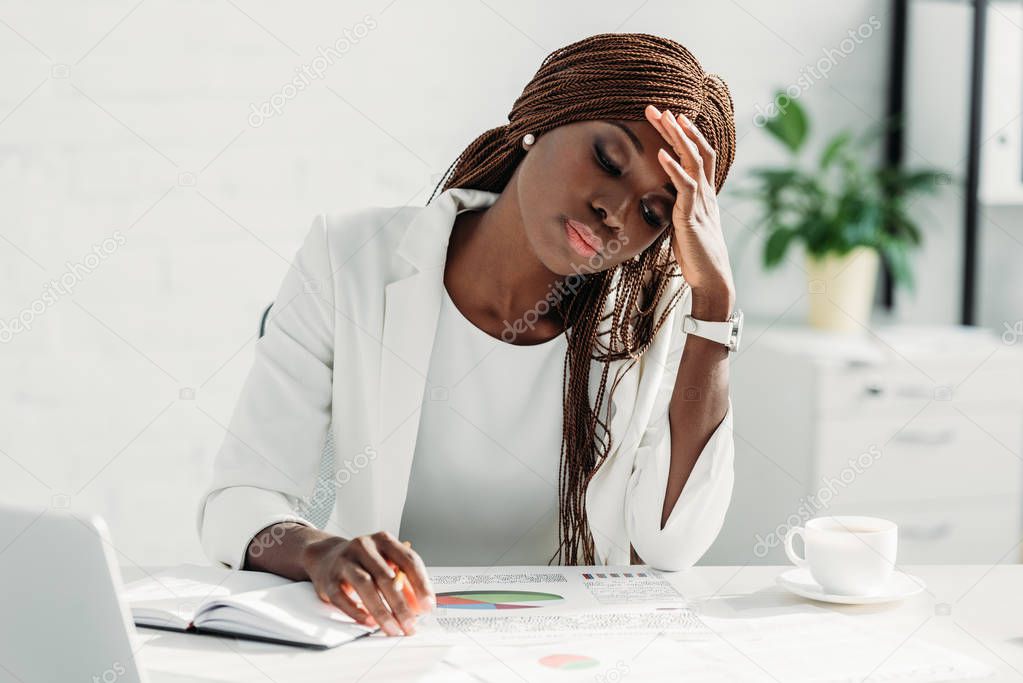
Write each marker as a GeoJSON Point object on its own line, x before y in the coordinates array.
{"type": "Point", "coordinates": [605, 76]}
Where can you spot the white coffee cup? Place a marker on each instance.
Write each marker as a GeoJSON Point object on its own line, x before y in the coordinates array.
{"type": "Point", "coordinates": [846, 555]}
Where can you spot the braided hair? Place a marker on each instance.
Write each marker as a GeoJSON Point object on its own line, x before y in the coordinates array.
{"type": "Point", "coordinates": [605, 76]}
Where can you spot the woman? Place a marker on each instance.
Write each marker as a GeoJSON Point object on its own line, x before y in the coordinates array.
{"type": "Point", "coordinates": [562, 243]}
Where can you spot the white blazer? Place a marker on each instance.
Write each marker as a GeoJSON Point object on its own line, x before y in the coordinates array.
{"type": "Point", "coordinates": [348, 345]}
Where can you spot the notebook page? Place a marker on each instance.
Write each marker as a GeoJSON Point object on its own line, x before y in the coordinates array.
{"type": "Point", "coordinates": [172, 597]}
{"type": "Point", "coordinates": [291, 612]}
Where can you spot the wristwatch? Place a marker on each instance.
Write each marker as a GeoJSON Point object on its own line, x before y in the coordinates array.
{"type": "Point", "coordinates": [726, 333]}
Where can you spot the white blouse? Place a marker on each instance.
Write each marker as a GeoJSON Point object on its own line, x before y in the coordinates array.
{"type": "Point", "coordinates": [484, 482]}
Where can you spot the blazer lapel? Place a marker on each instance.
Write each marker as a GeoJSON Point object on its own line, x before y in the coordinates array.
{"type": "Point", "coordinates": [411, 308]}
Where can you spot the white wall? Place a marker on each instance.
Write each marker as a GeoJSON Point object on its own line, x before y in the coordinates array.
{"type": "Point", "coordinates": [132, 121]}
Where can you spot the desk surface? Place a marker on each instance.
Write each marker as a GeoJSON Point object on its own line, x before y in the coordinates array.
{"type": "Point", "coordinates": [975, 610]}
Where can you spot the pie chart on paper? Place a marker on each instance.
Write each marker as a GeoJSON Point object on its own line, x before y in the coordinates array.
{"type": "Point", "coordinates": [495, 599]}
{"type": "Point", "coordinates": [565, 661]}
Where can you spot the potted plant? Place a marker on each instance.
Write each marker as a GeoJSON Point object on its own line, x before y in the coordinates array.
{"type": "Point", "coordinates": [846, 216]}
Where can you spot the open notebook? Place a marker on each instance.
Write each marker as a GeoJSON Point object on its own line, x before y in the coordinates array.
{"type": "Point", "coordinates": [255, 605]}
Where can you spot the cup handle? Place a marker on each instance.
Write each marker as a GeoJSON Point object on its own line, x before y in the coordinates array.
{"type": "Point", "coordinates": [790, 551]}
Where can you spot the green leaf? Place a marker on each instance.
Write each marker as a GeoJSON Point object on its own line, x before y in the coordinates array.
{"type": "Point", "coordinates": [835, 148]}
{"type": "Point", "coordinates": [901, 227]}
{"type": "Point", "coordinates": [895, 256]}
{"type": "Point", "coordinates": [775, 176]}
{"type": "Point", "coordinates": [924, 181]}
{"type": "Point", "coordinates": [776, 246]}
{"type": "Point", "coordinates": [789, 125]}
{"type": "Point", "coordinates": [864, 229]}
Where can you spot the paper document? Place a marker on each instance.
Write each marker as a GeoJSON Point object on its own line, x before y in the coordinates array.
{"type": "Point", "coordinates": [817, 647]}
{"type": "Point", "coordinates": [565, 599]}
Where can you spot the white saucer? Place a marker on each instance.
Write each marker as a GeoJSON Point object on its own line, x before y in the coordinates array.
{"type": "Point", "coordinates": [899, 587]}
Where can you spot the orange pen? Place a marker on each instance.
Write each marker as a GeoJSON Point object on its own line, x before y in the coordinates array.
{"type": "Point", "coordinates": [402, 583]}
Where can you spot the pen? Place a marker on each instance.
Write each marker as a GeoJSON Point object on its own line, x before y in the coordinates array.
{"type": "Point", "coordinates": [401, 583]}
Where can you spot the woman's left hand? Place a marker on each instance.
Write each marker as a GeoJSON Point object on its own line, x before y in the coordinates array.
{"type": "Point", "coordinates": [699, 239]}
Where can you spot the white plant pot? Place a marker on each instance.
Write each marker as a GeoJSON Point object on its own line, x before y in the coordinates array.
{"type": "Point", "coordinates": [841, 290]}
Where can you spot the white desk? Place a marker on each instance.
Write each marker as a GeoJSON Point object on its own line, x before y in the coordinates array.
{"type": "Point", "coordinates": [975, 610]}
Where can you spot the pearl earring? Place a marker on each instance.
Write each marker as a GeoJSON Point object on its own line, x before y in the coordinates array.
{"type": "Point", "coordinates": [528, 140]}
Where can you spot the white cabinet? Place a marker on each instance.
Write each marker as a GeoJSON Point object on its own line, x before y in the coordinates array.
{"type": "Point", "coordinates": [1001, 155]}
{"type": "Point", "coordinates": [922, 425]}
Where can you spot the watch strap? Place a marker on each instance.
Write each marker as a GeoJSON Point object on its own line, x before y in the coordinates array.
{"type": "Point", "coordinates": [718, 331]}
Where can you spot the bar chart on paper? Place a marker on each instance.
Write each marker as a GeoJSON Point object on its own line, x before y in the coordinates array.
{"type": "Point", "coordinates": [508, 599]}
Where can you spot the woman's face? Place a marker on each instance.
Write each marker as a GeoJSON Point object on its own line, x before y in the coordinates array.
{"type": "Point", "coordinates": [592, 194]}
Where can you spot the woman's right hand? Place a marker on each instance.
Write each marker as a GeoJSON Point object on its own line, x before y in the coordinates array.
{"type": "Point", "coordinates": [336, 564]}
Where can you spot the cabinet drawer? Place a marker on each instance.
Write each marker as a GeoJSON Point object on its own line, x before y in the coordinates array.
{"type": "Point", "coordinates": [960, 531]}
{"type": "Point", "coordinates": [899, 388]}
{"type": "Point", "coordinates": [937, 454]}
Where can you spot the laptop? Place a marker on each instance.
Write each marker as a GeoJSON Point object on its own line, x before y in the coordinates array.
{"type": "Point", "coordinates": [63, 619]}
